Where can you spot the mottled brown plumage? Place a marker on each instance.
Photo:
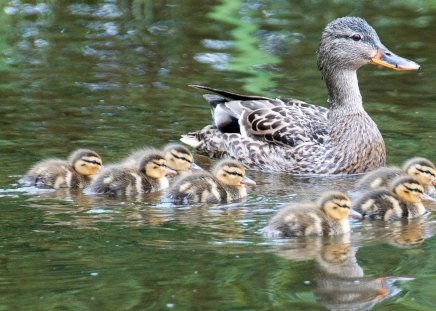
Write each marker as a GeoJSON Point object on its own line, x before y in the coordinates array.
{"type": "Point", "coordinates": [76, 172]}
{"type": "Point", "coordinates": [292, 136]}
{"type": "Point", "coordinates": [327, 216]}
{"type": "Point", "coordinates": [403, 199]}
{"type": "Point", "coordinates": [225, 184]}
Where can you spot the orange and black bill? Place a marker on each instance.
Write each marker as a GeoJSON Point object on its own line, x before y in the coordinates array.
{"type": "Point", "coordinates": [386, 58]}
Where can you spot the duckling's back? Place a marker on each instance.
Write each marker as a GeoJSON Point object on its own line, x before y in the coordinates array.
{"type": "Point", "coordinates": [54, 173]}
{"type": "Point", "coordinates": [381, 204]}
{"type": "Point", "coordinates": [380, 177]}
{"type": "Point", "coordinates": [199, 187]}
{"type": "Point", "coordinates": [122, 180]}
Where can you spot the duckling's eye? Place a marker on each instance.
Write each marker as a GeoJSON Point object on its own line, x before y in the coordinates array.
{"type": "Point", "coordinates": [356, 37]}
{"type": "Point", "coordinates": [413, 190]}
{"type": "Point", "coordinates": [181, 158]}
{"type": "Point", "coordinates": [425, 172]}
{"type": "Point", "coordinates": [91, 161]}
{"type": "Point", "coordinates": [159, 164]}
{"type": "Point", "coordinates": [234, 173]}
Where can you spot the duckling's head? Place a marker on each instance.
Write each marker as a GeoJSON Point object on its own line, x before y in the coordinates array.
{"type": "Point", "coordinates": [408, 189]}
{"type": "Point", "coordinates": [348, 43]}
{"type": "Point", "coordinates": [86, 162]}
{"type": "Point", "coordinates": [178, 157]}
{"type": "Point", "coordinates": [155, 166]}
{"type": "Point", "coordinates": [231, 173]}
{"type": "Point", "coordinates": [423, 170]}
{"type": "Point", "coordinates": [335, 204]}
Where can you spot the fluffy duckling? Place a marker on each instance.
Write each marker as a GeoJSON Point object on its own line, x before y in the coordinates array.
{"type": "Point", "coordinates": [421, 169]}
{"type": "Point", "coordinates": [76, 172]}
{"type": "Point", "coordinates": [226, 183]}
{"type": "Point", "coordinates": [403, 200]}
{"type": "Point", "coordinates": [178, 158]}
{"type": "Point", "coordinates": [149, 176]}
{"type": "Point", "coordinates": [327, 216]}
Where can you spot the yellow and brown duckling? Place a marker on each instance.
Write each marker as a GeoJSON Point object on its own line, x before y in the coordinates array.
{"type": "Point", "coordinates": [149, 176]}
{"type": "Point", "coordinates": [76, 172]}
{"type": "Point", "coordinates": [423, 170]}
{"type": "Point", "coordinates": [327, 216]}
{"type": "Point", "coordinates": [178, 158]}
{"type": "Point", "coordinates": [403, 200]}
{"type": "Point", "coordinates": [225, 184]}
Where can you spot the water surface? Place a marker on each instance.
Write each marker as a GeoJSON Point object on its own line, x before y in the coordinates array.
{"type": "Point", "coordinates": [112, 76]}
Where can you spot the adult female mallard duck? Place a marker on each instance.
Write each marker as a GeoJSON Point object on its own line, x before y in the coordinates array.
{"type": "Point", "coordinates": [292, 136]}
{"type": "Point", "coordinates": [148, 176]}
{"type": "Point", "coordinates": [422, 169]}
{"type": "Point", "coordinates": [76, 172]}
{"type": "Point", "coordinates": [225, 184]}
{"type": "Point", "coordinates": [327, 216]}
{"type": "Point", "coordinates": [403, 199]}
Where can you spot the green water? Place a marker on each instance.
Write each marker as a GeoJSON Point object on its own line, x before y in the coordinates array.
{"type": "Point", "coordinates": [112, 76]}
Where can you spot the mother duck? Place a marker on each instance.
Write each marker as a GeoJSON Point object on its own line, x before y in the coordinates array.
{"type": "Point", "coordinates": [289, 135]}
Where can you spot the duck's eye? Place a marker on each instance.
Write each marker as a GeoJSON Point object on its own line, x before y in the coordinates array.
{"type": "Point", "coordinates": [356, 37]}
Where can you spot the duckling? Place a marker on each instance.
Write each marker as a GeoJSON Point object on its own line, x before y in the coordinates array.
{"type": "Point", "coordinates": [178, 158]}
{"type": "Point", "coordinates": [402, 200]}
{"type": "Point", "coordinates": [226, 183]}
{"type": "Point", "coordinates": [327, 216]}
{"type": "Point", "coordinates": [421, 169]}
{"type": "Point", "coordinates": [149, 176]}
{"type": "Point", "coordinates": [76, 172]}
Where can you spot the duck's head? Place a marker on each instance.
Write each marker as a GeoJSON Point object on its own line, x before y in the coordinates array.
{"type": "Point", "coordinates": [422, 170]}
{"type": "Point", "coordinates": [348, 43]}
{"type": "Point", "coordinates": [86, 162]}
{"type": "Point", "coordinates": [232, 173]}
{"type": "Point", "coordinates": [179, 158]}
{"type": "Point", "coordinates": [335, 204]}
{"type": "Point", "coordinates": [408, 189]}
{"type": "Point", "coordinates": [155, 166]}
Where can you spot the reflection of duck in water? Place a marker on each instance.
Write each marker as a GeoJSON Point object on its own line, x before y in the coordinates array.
{"type": "Point", "coordinates": [340, 281]}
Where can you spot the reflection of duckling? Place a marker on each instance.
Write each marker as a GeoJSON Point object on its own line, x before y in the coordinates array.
{"type": "Point", "coordinates": [150, 176]}
{"type": "Point", "coordinates": [403, 201]}
{"type": "Point", "coordinates": [77, 172]}
{"type": "Point", "coordinates": [225, 184]}
{"type": "Point", "coordinates": [423, 170]}
{"type": "Point", "coordinates": [328, 216]}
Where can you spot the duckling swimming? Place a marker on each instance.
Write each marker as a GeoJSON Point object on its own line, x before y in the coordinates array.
{"type": "Point", "coordinates": [149, 176]}
{"type": "Point", "coordinates": [403, 200]}
{"type": "Point", "coordinates": [76, 172]}
{"type": "Point", "coordinates": [421, 169]}
{"type": "Point", "coordinates": [178, 158]}
{"type": "Point", "coordinates": [226, 183]}
{"type": "Point", "coordinates": [327, 216]}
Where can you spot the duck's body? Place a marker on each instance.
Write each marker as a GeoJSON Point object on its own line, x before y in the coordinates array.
{"type": "Point", "coordinates": [226, 184]}
{"type": "Point", "coordinates": [402, 200]}
{"type": "Point", "coordinates": [77, 172]}
{"type": "Point", "coordinates": [299, 138]}
{"type": "Point", "coordinates": [328, 216]}
{"type": "Point", "coordinates": [148, 176]}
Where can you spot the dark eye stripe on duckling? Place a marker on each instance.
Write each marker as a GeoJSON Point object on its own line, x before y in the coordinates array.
{"type": "Point", "coordinates": [181, 158]}
{"type": "Point", "coordinates": [234, 173]}
{"type": "Point", "coordinates": [426, 172]}
{"type": "Point", "coordinates": [92, 161]}
{"type": "Point", "coordinates": [413, 189]}
{"type": "Point", "coordinates": [160, 164]}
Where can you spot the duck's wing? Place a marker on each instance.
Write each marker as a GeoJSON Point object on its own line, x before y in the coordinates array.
{"type": "Point", "coordinates": [287, 122]}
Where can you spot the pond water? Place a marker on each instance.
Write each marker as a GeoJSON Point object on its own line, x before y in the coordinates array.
{"type": "Point", "coordinates": [112, 76]}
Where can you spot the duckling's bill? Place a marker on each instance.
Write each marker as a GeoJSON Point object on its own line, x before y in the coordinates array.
{"type": "Point", "coordinates": [170, 172]}
{"type": "Point", "coordinates": [386, 58]}
{"type": "Point", "coordinates": [428, 198]}
{"type": "Point", "coordinates": [248, 181]}
{"type": "Point", "coordinates": [196, 167]}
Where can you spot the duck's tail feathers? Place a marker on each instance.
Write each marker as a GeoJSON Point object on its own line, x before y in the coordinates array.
{"type": "Point", "coordinates": [228, 95]}
{"type": "Point", "coordinates": [190, 140]}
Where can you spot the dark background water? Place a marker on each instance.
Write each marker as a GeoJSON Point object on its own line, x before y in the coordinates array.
{"type": "Point", "coordinates": [113, 75]}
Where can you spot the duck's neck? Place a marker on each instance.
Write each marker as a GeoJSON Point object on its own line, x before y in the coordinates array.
{"type": "Point", "coordinates": [343, 91]}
